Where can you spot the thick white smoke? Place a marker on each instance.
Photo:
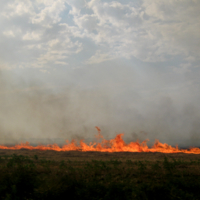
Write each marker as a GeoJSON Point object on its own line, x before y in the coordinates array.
{"type": "Point", "coordinates": [37, 113]}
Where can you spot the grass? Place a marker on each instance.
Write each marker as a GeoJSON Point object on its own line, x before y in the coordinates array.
{"type": "Point", "coordinates": [33, 177]}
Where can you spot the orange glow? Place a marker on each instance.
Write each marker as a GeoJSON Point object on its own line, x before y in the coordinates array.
{"type": "Point", "coordinates": [114, 145]}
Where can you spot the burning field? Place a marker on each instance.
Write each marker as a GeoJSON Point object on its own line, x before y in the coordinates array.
{"type": "Point", "coordinates": [131, 68]}
{"type": "Point", "coordinates": [37, 174]}
{"type": "Point", "coordinates": [114, 145]}
{"type": "Point", "coordinates": [110, 169]}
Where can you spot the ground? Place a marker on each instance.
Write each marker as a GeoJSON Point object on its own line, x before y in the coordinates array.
{"type": "Point", "coordinates": [104, 156]}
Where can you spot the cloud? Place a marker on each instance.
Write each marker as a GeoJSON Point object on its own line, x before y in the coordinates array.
{"type": "Point", "coordinates": [32, 35]}
{"type": "Point", "coordinates": [152, 31]}
{"type": "Point", "coordinates": [99, 57]}
{"type": "Point", "coordinates": [49, 14]}
{"type": "Point", "coordinates": [16, 8]}
{"type": "Point", "coordinates": [9, 33]}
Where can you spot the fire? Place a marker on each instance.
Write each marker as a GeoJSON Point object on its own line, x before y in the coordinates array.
{"type": "Point", "coordinates": [114, 145]}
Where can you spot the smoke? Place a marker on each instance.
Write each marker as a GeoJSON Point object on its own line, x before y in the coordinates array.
{"type": "Point", "coordinates": [36, 113]}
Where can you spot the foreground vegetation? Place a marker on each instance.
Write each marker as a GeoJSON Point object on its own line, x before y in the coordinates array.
{"type": "Point", "coordinates": [23, 177]}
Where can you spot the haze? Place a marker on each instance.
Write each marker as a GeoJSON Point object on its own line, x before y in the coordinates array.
{"type": "Point", "coordinates": [67, 66]}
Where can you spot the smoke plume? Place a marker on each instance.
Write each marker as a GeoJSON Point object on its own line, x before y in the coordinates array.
{"type": "Point", "coordinates": [36, 113]}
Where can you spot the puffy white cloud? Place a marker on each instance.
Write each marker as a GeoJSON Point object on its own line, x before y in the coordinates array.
{"type": "Point", "coordinates": [50, 13]}
{"type": "Point", "coordinates": [151, 32]}
{"type": "Point", "coordinates": [33, 36]}
{"type": "Point", "coordinates": [147, 30]}
{"type": "Point", "coordinates": [16, 8]}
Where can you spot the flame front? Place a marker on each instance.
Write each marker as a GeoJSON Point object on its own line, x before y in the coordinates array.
{"type": "Point", "coordinates": [114, 145]}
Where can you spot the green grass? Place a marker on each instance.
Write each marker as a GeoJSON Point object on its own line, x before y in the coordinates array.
{"type": "Point", "coordinates": [23, 177]}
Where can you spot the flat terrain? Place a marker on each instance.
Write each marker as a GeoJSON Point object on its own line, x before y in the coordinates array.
{"type": "Point", "coordinates": [104, 156]}
{"type": "Point", "coordinates": [34, 174]}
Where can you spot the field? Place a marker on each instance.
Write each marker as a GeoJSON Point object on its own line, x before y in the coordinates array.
{"type": "Point", "coordinates": [26, 174]}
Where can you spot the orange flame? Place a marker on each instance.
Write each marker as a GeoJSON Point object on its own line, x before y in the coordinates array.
{"type": "Point", "coordinates": [114, 145]}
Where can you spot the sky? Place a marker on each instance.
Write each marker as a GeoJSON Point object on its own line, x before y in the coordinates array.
{"type": "Point", "coordinates": [127, 66]}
